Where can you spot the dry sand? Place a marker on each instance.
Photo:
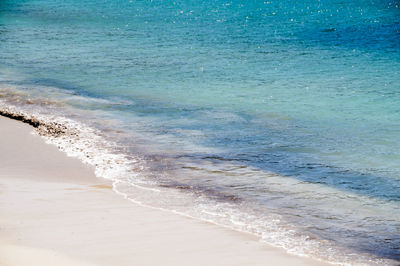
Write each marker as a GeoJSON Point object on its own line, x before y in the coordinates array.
{"type": "Point", "coordinates": [54, 211]}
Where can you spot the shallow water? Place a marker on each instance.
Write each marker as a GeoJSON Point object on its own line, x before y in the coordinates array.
{"type": "Point", "coordinates": [276, 118]}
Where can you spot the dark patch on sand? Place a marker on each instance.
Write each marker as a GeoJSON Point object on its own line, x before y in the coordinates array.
{"type": "Point", "coordinates": [50, 128]}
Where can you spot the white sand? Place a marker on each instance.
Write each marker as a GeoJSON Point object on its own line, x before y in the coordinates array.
{"type": "Point", "coordinates": [54, 211]}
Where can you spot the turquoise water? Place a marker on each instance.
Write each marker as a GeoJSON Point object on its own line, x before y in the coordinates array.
{"type": "Point", "coordinates": [279, 108]}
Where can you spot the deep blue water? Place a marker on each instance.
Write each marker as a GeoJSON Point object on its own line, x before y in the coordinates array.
{"type": "Point", "coordinates": [291, 107]}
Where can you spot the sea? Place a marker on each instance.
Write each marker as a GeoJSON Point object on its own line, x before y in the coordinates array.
{"type": "Point", "coordinates": [276, 118]}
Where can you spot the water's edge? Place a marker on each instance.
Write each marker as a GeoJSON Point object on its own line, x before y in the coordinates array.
{"type": "Point", "coordinates": [85, 143]}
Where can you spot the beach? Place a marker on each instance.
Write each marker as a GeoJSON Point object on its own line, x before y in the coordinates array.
{"type": "Point", "coordinates": [210, 132]}
{"type": "Point", "coordinates": [55, 211]}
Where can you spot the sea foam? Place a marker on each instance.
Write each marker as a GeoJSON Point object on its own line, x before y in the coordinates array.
{"type": "Point", "coordinates": [128, 176]}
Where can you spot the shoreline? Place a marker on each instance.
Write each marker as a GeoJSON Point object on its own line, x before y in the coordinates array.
{"type": "Point", "coordinates": [56, 211]}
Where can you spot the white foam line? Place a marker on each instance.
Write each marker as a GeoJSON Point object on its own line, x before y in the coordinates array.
{"type": "Point", "coordinates": [86, 147]}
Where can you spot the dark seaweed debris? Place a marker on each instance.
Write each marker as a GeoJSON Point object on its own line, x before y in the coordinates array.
{"type": "Point", "coordinates": [51, 128]}
{"type": "Point", "coordinates": [20, 117]}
